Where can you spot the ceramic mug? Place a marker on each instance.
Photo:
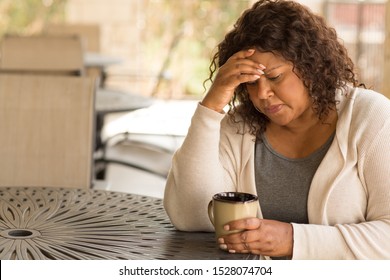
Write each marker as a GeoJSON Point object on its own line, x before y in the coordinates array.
{"type": "Point", "coordinates": [229, 206]}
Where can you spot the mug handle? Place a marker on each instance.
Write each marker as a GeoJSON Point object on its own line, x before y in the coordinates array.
{"type": "Point", "coordinates": [210, 212]}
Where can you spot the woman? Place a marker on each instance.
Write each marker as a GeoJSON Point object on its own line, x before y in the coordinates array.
{"type": "Point", "coordinates": [300, 132]}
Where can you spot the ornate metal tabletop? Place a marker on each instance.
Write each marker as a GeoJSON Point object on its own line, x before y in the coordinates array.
{"type": "Point", "coordinates": [63, 223]}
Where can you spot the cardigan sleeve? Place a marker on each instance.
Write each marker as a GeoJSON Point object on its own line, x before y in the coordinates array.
{"type": "Point", "coordinates": [197, 173]}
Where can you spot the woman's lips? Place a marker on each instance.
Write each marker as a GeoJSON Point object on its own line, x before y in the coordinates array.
{"type": "Point", "coordinates": [273, 109]}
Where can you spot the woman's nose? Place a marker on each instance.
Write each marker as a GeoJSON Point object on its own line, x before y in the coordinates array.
{"type": "Point", "coordinates": [264, 89]}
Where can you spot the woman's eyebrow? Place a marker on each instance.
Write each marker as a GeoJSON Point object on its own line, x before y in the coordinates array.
{"type": "Point", "coordinates": [273, 68]}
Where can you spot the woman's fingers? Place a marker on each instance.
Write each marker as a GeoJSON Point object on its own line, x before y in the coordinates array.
{"type": "Point", "coordinates": [267, 237]}
{"type": "Point", "coordinates": [238, 69]}
{"type": "Point", "coordinates": [240, 63]}
{"type": "Point", "coordinates": [244, 224]}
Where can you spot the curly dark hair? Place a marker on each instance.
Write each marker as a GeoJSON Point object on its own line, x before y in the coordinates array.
{"type": "Point", "coordinates": [292, 31]}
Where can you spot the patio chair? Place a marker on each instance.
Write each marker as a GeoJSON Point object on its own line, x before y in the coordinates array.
{"type": "Point", "coordinates": [90, 36]}
{"type": "Point", "coordinates": [47, 127]}
{"type": "Point", "coordinates": [54, 55]}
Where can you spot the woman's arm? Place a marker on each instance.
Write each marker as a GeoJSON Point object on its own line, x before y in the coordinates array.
{"type": "Point", "coordinates": [197, 173]}
{"type": "Point", "coordinates": [204, 165]}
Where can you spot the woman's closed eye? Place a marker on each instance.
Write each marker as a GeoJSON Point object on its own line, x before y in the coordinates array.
{"type": "Point", "coordinates": [273, 78]}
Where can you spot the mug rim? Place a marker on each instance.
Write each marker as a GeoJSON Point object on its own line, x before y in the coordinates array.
{"type": "Point", "coordinates": [218, 197]}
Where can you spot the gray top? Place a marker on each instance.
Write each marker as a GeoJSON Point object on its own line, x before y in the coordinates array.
{"type": "Point", "coordinates": [283, 183]}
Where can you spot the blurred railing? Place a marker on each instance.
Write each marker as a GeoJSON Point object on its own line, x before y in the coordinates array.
{"type": "Point", "coordinates": [361, 25]}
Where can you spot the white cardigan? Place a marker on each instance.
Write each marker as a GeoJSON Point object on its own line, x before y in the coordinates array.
{"type": "Point", "coordinates": [349, 198]}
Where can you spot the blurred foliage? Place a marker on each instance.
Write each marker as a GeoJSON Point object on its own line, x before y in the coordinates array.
{"type": "Point", "coordinates": [29, 16]}
{"type": "Point", "coordinates": [178, 37]}
{"type": "Point", "coordinates": [187, 33]}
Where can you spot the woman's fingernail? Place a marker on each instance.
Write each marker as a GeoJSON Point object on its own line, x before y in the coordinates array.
{"type": "Point", "coordinates": [232, 251]}
{"type": "Point", "coordinates": [262, 66]}
{"type": "Point", "coordinates": [221, 240]}
{"type": "Point", "coordinates": [260, 71]}
{"type": "Point", "coordinates": [227, 227]}
{"type": "Point", "coordinates": [223, 247]}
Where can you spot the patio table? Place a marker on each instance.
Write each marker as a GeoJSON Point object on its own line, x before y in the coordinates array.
{"type": "Point", "coordinates": [66, 223]}
{"type": "Point", "coordinates": [115, 101]}
{"type": "Point", "coordinates": [100, 62]}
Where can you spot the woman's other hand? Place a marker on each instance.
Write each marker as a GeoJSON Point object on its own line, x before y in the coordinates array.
{"type": "Point", "coordinates": [260, 237]}
{"type": "Point", "coordinates": [238, 69]}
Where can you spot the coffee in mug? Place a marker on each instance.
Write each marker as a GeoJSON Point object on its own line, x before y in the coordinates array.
{"type": "Point", "coordinates": [229, 206]}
